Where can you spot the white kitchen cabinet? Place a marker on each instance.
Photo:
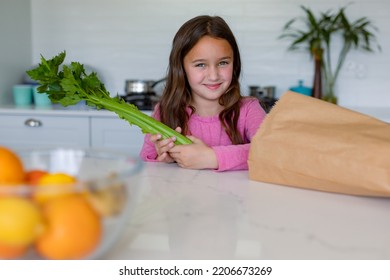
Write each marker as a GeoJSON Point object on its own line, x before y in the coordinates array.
{"type": "Point", "coordinates": [117, 134]}
{"type": "Point", "coordinates": [56, 127]}
{"type": "Point", "coordinates": [35, 131]}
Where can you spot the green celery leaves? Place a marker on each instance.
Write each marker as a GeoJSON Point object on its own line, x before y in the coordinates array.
{"type": "Point", "coordinates": [70, 84]}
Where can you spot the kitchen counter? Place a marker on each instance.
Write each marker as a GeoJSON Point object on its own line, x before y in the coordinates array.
{"type": "Point", "coordinates": [192, 214]}
{"type": "Point", "coordinates": [77, 110]}
{"type": "Point", "coordinates": [381, 113]}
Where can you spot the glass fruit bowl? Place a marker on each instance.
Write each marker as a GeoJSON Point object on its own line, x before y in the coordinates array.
{"type": "Point", "coordinates": [72, 204]}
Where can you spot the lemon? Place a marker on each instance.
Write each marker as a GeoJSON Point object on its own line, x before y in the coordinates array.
{"type": "Point", "coordinates": [20, 221]}
{"type": "Point", "coordinates": [56, 179]}
{"type": "Point", "coordinates": [53, 185]}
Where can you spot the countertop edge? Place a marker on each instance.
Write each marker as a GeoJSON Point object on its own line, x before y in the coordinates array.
{"type": "Point", "coordinates": [59, 110]}
{"type": "Point", "coordinates": [381, 113]}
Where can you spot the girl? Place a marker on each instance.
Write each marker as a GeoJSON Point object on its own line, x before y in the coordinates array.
{"type": "Point", "coordinates": [202, 100]}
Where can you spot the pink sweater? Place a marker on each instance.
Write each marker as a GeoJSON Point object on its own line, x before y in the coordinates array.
{"type": "Point", "coordinates": [210, 131]}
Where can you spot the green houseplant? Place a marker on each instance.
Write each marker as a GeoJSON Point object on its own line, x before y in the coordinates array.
{"type": "Point", "coordinates": [316, 36]}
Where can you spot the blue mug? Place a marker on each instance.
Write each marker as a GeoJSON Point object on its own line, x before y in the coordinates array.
{"type": "Point", "coordinates": [40, 99]}
{"type": "Point", "coordinates": [22, 95]}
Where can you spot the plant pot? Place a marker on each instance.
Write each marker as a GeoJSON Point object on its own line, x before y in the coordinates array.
{"type": "Point", "coordinates": [330, 98]}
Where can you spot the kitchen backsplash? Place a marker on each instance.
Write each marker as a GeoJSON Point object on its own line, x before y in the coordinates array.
{"type": "Point", "coordinates": [132, 39]}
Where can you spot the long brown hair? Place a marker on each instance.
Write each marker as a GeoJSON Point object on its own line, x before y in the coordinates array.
{"type": "Point", "coordinates": [177, 93]}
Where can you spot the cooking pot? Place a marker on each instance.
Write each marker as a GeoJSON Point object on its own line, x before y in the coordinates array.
{"type": "Point", "coordinates": [141, 86]}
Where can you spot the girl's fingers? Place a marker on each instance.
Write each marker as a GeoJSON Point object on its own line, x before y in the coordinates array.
{"type": "Point", "coordinates": [165, 148]}
{"type": "Point", "coordinates": [162, 157]}
{"type": "Point", "coordinates": [166, 143]}
{"type": "Point", "coordinates": [155, 137]}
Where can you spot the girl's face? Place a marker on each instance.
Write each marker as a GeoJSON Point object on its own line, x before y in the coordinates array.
{"type": "Point", "coordinates": [209, 69]}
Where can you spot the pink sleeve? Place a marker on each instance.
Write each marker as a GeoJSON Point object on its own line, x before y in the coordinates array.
{"type": "Point", "coordinates": [235, 157]}
{"type": "Point", "coordinates": [232, 157]}
{"type": "Point", "coordinates": [148, 151]}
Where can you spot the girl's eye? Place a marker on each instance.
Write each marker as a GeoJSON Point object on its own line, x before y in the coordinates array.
{"type": "Point", "coordinates": [200, 65]}
{"type": "Point", "coordinates": [224, 62]}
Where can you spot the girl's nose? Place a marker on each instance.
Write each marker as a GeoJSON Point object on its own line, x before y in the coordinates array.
{"type": "Point", "coordinates": [213, 73]}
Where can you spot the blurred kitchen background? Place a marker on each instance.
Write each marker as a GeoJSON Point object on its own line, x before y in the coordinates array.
{"type": "Point", "coordinates": [131, 39]}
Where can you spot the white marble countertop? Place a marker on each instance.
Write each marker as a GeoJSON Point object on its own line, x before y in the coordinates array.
{"type": "Point", "coordinates": [189, 214]}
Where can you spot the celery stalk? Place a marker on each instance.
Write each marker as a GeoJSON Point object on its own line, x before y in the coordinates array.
{"type": "Point", "coordinates": [72, 85]}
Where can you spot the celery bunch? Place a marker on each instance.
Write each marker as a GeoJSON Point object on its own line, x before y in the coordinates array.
{"type": "Point", "coordinates": [71, 84]}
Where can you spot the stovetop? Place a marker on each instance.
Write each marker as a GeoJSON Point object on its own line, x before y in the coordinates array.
{"type": "Point", "coordinates": [143, 101]}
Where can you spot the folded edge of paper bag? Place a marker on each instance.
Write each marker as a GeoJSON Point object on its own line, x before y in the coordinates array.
{"type": "Point", "coordinates": [309, 143]}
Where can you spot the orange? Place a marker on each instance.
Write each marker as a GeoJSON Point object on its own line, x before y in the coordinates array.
{"type": "Point", "coordinates": [33, 176]}
{"type": "Point", "coordinates": [11, 167]}
{"type": "Point", "coordinates": [52, 185]}
{"type": "Point", "coordinates": [12, 252]}
{"type": "Point", "coordinates": [73, 231]}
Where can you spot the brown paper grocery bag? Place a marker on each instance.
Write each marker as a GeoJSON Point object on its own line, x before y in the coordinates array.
{"type": "Point", "coordinates": [309, 143]}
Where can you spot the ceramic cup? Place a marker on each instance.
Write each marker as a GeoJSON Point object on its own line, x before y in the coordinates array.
{"type": "Point", "coordinates": [22, 95]}
{"type": "Point", "coordinates": [40, 99]}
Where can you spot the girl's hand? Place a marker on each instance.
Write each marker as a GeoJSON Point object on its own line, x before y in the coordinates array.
{"type": "Point", "coordinates": [163, 146]}
{"type": "Point", "coordinates": [194, 156]}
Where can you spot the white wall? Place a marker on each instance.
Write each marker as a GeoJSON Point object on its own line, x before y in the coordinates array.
{"type": "Point", "coordinates": [131, 39]}
{"type": "Point", "coordinates": [15, 46]}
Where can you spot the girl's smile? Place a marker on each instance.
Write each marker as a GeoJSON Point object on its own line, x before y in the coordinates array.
{"type": "Point", "coordinates": [213, 86]}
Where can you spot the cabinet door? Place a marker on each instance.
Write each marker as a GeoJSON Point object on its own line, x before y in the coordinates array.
{"type": "Point", "coordinates": [24, 131]}
{"type": "Point", "coordinates": [117, 134]}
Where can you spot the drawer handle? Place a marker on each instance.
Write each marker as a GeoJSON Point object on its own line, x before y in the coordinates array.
{"type": "Point", "coordinates": [33, 123]}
